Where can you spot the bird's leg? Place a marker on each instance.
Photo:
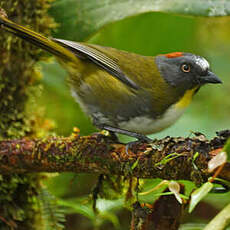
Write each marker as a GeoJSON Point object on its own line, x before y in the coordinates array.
{"type": "Point", "coordinates": [112, 134]}
{"type": "Point", "coordinates": [138, 136]}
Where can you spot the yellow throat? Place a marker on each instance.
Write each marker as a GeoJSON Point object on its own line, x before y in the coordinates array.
{"type": "Point", "coordinates": [186, 99]}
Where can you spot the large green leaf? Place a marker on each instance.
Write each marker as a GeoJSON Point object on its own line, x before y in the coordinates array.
{"type": "Point", "coordinates": [105, 208]}
{"type": "Point", "coordinates": [82, 18]}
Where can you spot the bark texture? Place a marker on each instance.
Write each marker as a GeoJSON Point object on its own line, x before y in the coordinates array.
{"type": "Point", "coordinates": [169, 158]}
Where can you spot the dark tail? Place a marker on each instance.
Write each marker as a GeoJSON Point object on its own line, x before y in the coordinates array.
{"type": "Point", "coordinates": [37, 39]}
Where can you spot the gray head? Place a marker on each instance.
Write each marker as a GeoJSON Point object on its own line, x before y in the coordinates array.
{"type": "Point", "coordinates": [185, 70]}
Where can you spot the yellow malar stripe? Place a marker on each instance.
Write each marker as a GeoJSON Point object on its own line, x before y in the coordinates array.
{"type": "Point", "coordinates": [186, 99]}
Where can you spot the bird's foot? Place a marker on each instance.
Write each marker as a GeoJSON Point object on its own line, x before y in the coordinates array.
{"type": "Point", "coordinates": [113, 130]}
{"type": "Point", "coordinates": [106, 134]}
{"type": "Point", "coordinates": [141, 139]}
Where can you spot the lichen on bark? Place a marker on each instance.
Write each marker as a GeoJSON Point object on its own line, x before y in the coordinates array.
{"type": "Point", "coordinates": [18, 117]}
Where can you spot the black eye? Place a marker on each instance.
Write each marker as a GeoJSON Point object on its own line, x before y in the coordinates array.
{"type": "Point", "coordinates": [186, 68]}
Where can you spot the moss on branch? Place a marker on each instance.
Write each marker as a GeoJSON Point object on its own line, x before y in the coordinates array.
{"type": "Point", "coordinates": [169, 158]}
{"type": "Point", "coordinates": [19, 207]}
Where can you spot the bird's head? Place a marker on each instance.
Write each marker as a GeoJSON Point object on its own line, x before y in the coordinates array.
{"type": "Point", "coordinates": [185, 70]}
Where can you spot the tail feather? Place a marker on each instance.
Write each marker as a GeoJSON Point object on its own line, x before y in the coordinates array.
{"type": "Point", "coordinates": [37, 39]}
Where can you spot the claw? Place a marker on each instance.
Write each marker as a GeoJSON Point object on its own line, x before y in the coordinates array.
{"type": "Point", "coordinates": [141, 139]}
{"type": "Point", "coordinates": [113, 130]}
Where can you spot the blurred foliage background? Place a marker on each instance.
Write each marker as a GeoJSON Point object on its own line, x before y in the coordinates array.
{"type": "Point", "coordinates": [148, 33]}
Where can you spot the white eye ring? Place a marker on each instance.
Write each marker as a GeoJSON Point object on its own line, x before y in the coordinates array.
{"type": "Point", "coordinates": [186, 68]}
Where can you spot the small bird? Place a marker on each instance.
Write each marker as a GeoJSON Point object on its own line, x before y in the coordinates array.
{"type": "Point", "coordinates": [125, 92]}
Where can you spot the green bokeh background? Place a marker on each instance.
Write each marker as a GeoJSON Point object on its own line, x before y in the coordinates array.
{"type": "Point", "coordinates": [147, 34]}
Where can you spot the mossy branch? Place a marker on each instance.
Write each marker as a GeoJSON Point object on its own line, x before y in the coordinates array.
{"type": "Point", "coordinates": [168, 158]}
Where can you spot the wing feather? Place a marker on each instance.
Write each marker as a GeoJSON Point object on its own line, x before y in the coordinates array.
{"type": "Point", "coordinates": [99, 58]}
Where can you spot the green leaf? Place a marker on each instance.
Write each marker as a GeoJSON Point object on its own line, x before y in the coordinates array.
{"type": "Point", "coordinates": [112, 218]}
{"type": "Point", "coordinates": [76, 207]}
{"type": "Point", "coordinates": [85, 17]}
{"type": "Point", "coordinates": [108, 205]}
{"type": "Point", "coordinates": [135, 164]}
{"type": "Point", "coordinates": [53, 216]}
{"type": "Point", "coordinates": [199, 194]}
{"type": "Point", "coordinates": [168, 158]}
{"type": "Point", "coordinates": [106, 210]}
{"type": "Point", "coordinates": [194, 159]}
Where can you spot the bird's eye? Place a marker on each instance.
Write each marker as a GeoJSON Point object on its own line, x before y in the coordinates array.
{"type": "Point", "coordinates": [185, 68]}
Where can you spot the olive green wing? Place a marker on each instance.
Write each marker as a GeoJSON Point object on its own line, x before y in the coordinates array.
{"type": "Point", "coordinates": [99, 58]}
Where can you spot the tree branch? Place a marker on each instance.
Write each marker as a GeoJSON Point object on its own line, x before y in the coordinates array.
{"type": "Point", "coordinates": [169, 158]}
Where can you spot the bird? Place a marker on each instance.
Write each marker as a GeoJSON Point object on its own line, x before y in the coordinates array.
{"type": "Point", "coordinates": [123, 92]}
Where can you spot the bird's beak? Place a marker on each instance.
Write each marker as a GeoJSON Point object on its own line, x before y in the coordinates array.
{"type": "Point", "coordinates": [210, 78]}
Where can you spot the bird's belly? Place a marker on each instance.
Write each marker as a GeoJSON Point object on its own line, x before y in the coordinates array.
{"type": "Point", "coordinates": [140, 124]}
{"type": "Point", "coordinates": [147, 125]}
